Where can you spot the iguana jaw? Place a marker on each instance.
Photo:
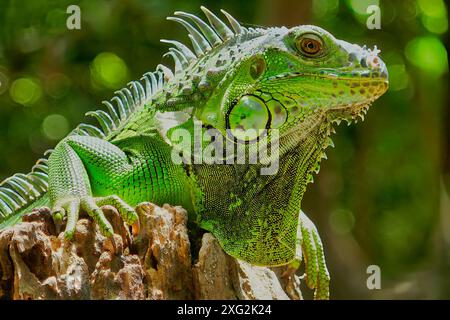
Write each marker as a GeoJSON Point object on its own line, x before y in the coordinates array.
{"type": "Point", "coordinates": [354, 109]}
{"type": "Point", "coordinates": [339, 97]}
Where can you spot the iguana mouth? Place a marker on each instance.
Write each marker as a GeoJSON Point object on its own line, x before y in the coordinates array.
{"type": "Point", "coordinates": [364, 75]}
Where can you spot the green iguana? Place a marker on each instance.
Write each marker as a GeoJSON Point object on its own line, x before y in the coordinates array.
{"type": "Point", "coordinates": [242, 87]}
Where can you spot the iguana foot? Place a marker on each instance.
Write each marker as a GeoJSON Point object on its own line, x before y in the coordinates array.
{"type": "Point", "coordinates": [316, 273]}
{"type": "Point", "coordinates": [71, 207]}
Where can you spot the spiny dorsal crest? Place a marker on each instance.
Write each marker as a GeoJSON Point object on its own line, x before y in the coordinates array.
{"type": "Point", "coordinates": [204, 37]}
{"type": "Point", "coordinates": [120, 107]}
{"type": "Point", "coordinates": [20, 190]}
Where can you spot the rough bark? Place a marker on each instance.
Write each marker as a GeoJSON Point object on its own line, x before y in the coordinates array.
{"type": "Point", "coordinates": [36, 262]}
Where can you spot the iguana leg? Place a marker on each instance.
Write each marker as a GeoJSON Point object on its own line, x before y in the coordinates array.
{"type": "Point", "coordinates": [317, 275]}
{"type": "Point", "coordinates": [76, 163]}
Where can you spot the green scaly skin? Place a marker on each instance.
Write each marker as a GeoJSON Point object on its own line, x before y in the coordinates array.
{"type": "Point", "coordinates": [299, 81]}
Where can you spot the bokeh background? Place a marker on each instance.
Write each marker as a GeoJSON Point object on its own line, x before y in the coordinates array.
{"type": "Point", "coordinates": [381, 198]}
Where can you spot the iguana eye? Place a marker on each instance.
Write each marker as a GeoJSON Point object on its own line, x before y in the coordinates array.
{"type": "Point", "coordinates": [309, 45]}
{"type": "Point", "coordinates": [248, 119]}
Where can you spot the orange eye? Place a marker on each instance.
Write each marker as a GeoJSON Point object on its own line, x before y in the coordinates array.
{"type": "Point", "coordinates": [309, 45]}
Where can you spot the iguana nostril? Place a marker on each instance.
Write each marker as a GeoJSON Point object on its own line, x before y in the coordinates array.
{"type": "Point", "coordinates": [363, 62]}
{"type": "Point", "coordinates": [373, 62]}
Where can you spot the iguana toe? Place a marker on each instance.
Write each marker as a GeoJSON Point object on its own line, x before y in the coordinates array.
{"type": "Point", "coordinates": [316, 272]}
{"type": "Point", "coordinates": [71, 206]}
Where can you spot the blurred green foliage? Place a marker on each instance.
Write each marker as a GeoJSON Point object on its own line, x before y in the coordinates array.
{"type": "Point", "coordinates": [379, 199]}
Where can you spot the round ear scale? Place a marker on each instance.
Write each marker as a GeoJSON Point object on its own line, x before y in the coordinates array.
{"type": "Point", "coordinates": [248, 119]}
{"type": "Point", "coordinates": [257, 67]}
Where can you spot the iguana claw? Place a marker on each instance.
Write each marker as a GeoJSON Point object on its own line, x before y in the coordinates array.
{"type": "Point", "coordinates": [316, 273]}
{"type": "Point", "coordinates": [71, 206]}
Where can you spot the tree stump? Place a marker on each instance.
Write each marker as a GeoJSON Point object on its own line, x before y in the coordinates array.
{"type": "Point", "coordinates": [37, 262]}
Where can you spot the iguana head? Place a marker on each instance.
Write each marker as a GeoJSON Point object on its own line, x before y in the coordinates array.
{"type": "Point", "coordinates": [280, 79]}
{"type": "Point", "coordinates": [296, 82]}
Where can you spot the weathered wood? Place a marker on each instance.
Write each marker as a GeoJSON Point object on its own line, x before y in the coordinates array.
{"type": "Point", "coordinates": [36, 262]}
